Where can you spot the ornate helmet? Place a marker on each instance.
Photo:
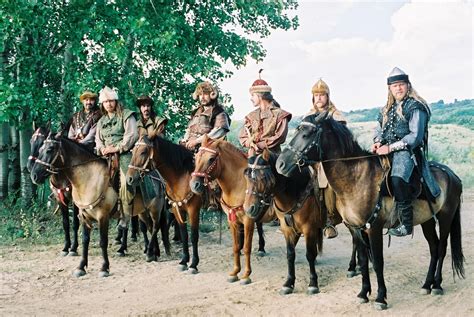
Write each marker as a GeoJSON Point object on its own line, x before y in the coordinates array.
{"type": "Point", "coordinates": [397, 75]}
{"type": "Point", "coordinates": [260, 85]}
{"type": "Point", "coordinates": [320, 88]}
{"type": "Point", "coordinates": [107, 93]}
{"type": "Point", "coordinates": [144, 99]}
{"type": "Point", "coordinates": [87, 94]}
{"type": "Point", "coordinates": [205, 87]}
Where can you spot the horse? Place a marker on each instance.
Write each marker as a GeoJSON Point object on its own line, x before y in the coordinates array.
{"type": "Point", "coordinates": [91, 192]}
{"type": "Point", "coordinates": [220, 160]}
{"type": "Point", "coordinates": [296, 206]}
{"type": "Point", "coordinates": [356, 177]}
{"type": "Point", "coordinates": [175, 164]}
{"type": "Point", "coordinates": [61, 189]}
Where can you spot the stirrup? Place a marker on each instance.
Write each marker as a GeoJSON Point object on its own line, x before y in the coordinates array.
{"type": "Point", "coordinates": [326, 231]}
{"type": "Point", "coordinates": [399, 231]}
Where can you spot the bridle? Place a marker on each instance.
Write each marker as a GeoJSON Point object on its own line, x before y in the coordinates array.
{"type": "Point", "coordinates": [206, 175]}
{"type": "Point", "coordinates": [263, 200]}
{"type": "Point", "coordinates": [50, 166]}
{"type": "Point", "coordinates": [149, 160]}
{"type": "Point", "coordinates": [35, 135]}
{"type": "Point", "coordinates": [301, 155]}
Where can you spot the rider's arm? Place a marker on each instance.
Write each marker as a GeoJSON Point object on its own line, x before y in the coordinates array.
{"type": "Point", "coordinates": [278, 138]}
{"type": "Point", "coordinates": [417, 125]}
{"type": "Point", "coordinates": [130, 136]}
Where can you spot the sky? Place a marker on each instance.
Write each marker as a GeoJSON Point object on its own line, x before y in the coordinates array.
{"type": "Point", "coordinates": [353, 46]}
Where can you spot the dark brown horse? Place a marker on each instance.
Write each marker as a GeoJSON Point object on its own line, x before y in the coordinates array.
{"type": "Point", "coordinates": [296, 206]}
{"type": "Point", "coordinates": [175, 165]}
{"type": "Point", "coordinates": [61, 190]}
{"type": "Point", "coordinates": [222, 161]}
{"type": "Point", "coordinates": [356, 177]}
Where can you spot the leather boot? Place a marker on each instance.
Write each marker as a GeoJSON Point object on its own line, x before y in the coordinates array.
{"type": "Point", "coordinates": [405, 211]}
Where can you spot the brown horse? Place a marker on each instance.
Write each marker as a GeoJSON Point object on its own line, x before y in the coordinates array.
{"type": "Point", "coordinates": [61, 189]}
{"type": "Point", "coordinates": [352, 171]}
{"type": "Point", "coordinates": [222, 161]}
{"type": "Point", "coordinates": [91, 191]}
{"type": "Point", "coordinates": [175, 165]}
{"type": "Point", "coordinates": [296, 206]}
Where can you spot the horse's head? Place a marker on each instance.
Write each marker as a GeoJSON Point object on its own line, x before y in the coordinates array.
{"type": "Point", "coordinates": [142, 160]}
{"type": "Point", "coordinates": [260, 185]}
{"type": "Point", "coordinates": [36, 143]}
{"type": "Point", "coordinates": [305, 147]}
{"type": "Point", "coordinates": [49, 159]}
{"type": "Point", "coordinates": [205, 165]}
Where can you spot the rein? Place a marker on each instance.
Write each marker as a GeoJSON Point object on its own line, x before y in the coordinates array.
{"type": "Point", "coordinates": [207, 173]}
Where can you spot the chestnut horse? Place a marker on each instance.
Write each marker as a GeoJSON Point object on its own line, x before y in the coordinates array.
{"type": "Point", "coordinates": [356, 177]}
{"type": "Point", "coordinates": [175, 165]}
{"type": "Point", "coordinates": [220, 160]}
{"type": "Point", "coordinates": [296, 206]}
{"type": "Point", "coordinates": [61, 189]}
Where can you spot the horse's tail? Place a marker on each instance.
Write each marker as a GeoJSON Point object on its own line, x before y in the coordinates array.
{"type": "Point", "coordinates": [457, 256]}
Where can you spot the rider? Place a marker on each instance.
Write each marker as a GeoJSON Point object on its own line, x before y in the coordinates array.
{"type": "Point", "coordinates": [402, 132]}
{"type": "Point", "coordinates": [323, 103]}
{"type": "Point", "coordinates": [84, 122]}
{"type": "Point", "coordinates": [116, 135]}
{"type": "Point", "coordinates": [149, 124]}
{"type": "Point", "coordinates": [266, 126]}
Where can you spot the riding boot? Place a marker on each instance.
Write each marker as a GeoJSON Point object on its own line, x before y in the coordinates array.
{"type": "Point", "coordinates": [405, 211]}
{"type": "Point", "coordinates": [330, 230]}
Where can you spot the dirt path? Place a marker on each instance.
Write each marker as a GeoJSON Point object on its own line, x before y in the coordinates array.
{"type": "Point", "coordinates": [39, 282]}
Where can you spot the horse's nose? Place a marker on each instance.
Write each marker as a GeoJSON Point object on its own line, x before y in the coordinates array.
{"type": "Point", "coordinates": [130, 180]}
{"type": "Point", "coordinates": [34, 178]}
{"type": "Point", "coordinates": [280, 166]}
{"type": "Point", "coordinates": [196, 187]}
{"type": "Point", "coordinates": [252, 212]}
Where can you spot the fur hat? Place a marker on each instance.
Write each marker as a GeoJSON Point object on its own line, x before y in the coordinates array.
{"type": "Point", "coordinates": [260, 85]}
{"type": "Point", "coordinates": [107, 93]}
{"type": "Point", "coordinates": [143, 100]}
{"type": "Point", "coordinates": [320, 88]}
{"type": "Point", "coordinates": [87, 94]}
{"type": "Point", "coordinates": [205, 88]}
{"type": "Point", "coordinates": [397, 75]}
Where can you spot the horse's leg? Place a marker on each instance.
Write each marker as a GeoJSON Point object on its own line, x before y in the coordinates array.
{"type": "Point", "coordinates": [152, 247]}
{"type": "Point", "coordinates": [135, 225]}
{"type": "Point", "coordinates": [363, 257]}
{"type": "Point", "coordinates": [444, 231]}
{"type": "Point", "coordinates": [124, 221]}
{"type": "Point", "coordinates": [249, 227]}
{"type": "Point", "coordinates": [67, 239]}
{"type": "Point", "coordinates": [353, 269]}
{"type": "Point", "coordinates": [241, 236]}
{"type": "Point", "coordinates": [235, 233]}
{"type": "Point", "coordinates": [103, 224]}
{"type": "Point", "coordinates": [80, 271]}
{"type": "Point", "coordinates": [429, 231]}
{"type": "Point", "coordinates": [146, 242]}
{"type": "Point", "coordinates": [183, 264]}
{"type": "Point", "coordinates": [376, 246]}
{"type": "Point", "coordinates": [194, 222]}
{"type": "Point", "coordinates": [118, 238]}
{"type": "Point", "coordinates": [311, 239]}
{"type": "Point", "coordinates": [123, 247]}
{"type": "Point", "coordinates": [165, 233]}
{"type": "Point", "coordinates": [75, 228]}
{"type": "Point", "coordinates": [261, 239]}
{"type": "Point", "coordinates": [289, 285]}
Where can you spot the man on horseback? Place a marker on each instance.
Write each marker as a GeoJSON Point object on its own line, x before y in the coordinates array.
{"type": "Point", "coordinates": [84, 122]}
{"type": "Point", "coordinates": [150, 124]}
{"type": "Point", "coordinates": [208, 118]}
{"type": "Point", "coordinates": [401, 134]}
{"type": "Point", "coordinates": [116, 135]}
{"type": "Point", "coordinates": [322, 103]}
{"type": "Point", "coordinates": [266, 126]}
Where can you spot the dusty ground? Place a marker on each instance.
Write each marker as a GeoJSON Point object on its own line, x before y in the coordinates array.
{"type": "Point", "coordinates": [37, 281]}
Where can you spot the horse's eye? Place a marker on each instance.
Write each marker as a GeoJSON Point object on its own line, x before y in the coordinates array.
{"type": "Point", "coordinates": [211, 160]}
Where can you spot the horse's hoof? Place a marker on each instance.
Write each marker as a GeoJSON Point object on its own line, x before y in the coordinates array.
{"type": "Point", "coordinates": [78, 273]}
{"type": "Point", "coordinates": [103, 274]}
{"type": "Point", "coordinates": [437, 291]}
{"type": "Point", "coordinates": [64, 253]}
{"type": "Point", "coordinates": [285, 290]}
{"type": "Point", "coordinates": [245, 281]}
{"type": "Point", "coordinates": [232, 278]}
{"type": "Point", "coordinates": [261, 253]}
{"type": "Point", "coordinates": [152, 258]}
{"type": "Point", "coordinates": [192, 270]}
{"type": "Point", "coordinates": [425, 291]}
{"type": "Point", "coordinates": [182, 267]}
{"type": "Point", "coordinates": [120, 253]}
{"type": "Point", "coordinates": [312, 290]}
{"type": "Point", "coordinates": [351, 274]}
{"type": "Point", "coordinates": [362, 300]}
{"type": "Point", "coordinates": [72, 253]}
{"type": "Point", "coordinates": [380, 306]}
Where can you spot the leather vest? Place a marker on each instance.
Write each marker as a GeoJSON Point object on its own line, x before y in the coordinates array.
{"type": "Point", "coordinates": [112, 129]}
{"type": "Point", "coordinates": [203, 120]}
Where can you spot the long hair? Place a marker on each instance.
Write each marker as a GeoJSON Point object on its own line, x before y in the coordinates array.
{"type": "Point", "coordinates": [118, 108]}
{"type": "Point", "coordinates": [269, 97]}
{"type": "Point", "coordinates": [391, 101]}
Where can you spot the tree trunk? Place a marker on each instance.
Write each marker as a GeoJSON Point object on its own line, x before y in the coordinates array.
{"type": "Point", "coordinates": [4, 142]}
{"type": "Point", "coordinates": [27, 190]}
{"type": "Point", "coordinates": [65, 93]}
{"type": "Point", "coordinates": [14, 161]}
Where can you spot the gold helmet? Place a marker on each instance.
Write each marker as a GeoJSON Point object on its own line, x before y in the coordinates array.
{"type": "Point", "coordinates": [205, 87]}
{"type": "Point", "coordinates": [320, 88]}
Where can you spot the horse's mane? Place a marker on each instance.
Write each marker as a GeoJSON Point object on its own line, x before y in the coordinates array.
{"type": "Point", "coordinates": [231, 148]}
{"type": "Point", "coordinates": [293, 185]}
{"type": "Point", "coordinates": [176, 156]}
{"type": "Point", "coordinates": [347, 143]}
{"type": "Point", "coordinates": [78, 147]}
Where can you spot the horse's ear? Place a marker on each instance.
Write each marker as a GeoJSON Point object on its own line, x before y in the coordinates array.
{"type": "Point", "coordinates": [205, 140]}
{"type": "Point", "coordinates": [48, 125]}
{"type": "Point", "coordinates": [266, 154]}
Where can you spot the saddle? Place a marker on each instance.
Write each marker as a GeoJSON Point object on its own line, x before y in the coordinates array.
{"type": "Point", "coordinates": [113, 163]}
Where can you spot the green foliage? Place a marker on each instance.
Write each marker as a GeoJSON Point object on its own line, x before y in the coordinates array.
{"type": "Point", "coordinates": [56, 49]}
